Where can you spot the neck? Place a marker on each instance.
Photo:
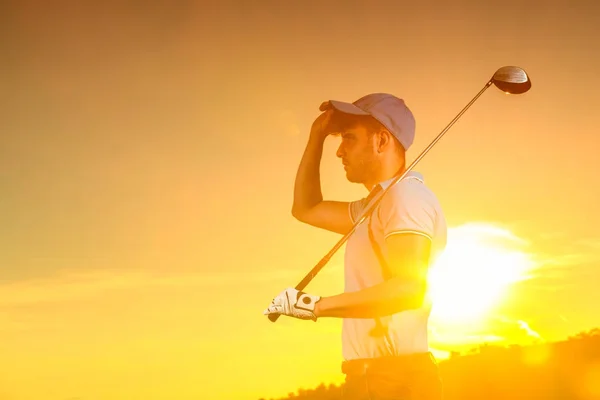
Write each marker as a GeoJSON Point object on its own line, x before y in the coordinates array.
{"type": "Point", "coordinates": [385, 173]}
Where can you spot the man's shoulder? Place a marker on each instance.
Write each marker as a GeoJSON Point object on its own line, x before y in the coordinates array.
{"type": "Point", "coordinates": [412, 190]}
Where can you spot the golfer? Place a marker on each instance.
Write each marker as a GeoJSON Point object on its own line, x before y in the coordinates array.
{"type": "Point", "coordinates": [385, 306]}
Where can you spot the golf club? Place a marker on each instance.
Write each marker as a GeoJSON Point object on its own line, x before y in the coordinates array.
{"type": "Point", "coordinates": [509, 79]}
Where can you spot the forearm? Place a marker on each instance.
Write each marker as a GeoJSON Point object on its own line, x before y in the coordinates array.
{"type": "Point", "coordinates": [307, 187]}
{"type": "Point", "coordinates": [386, 298]}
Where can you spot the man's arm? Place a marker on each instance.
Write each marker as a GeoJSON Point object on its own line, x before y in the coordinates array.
{"type": "Point", "coordinates": [408, 222]}
{"type": "Point", "coordinates": [309, 206]}
{"type": "Point", "coordinates": [405, 290]}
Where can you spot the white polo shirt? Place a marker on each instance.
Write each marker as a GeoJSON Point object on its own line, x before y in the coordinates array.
{"type": "Point", "coordinates": [409, 206]}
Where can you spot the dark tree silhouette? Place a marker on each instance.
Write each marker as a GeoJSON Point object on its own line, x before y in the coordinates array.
{"type": "Point", "coordinates": [567, 370]}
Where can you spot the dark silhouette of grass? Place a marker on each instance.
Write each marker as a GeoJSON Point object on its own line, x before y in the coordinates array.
{"type": "Point", "coordinates": [566, 370]}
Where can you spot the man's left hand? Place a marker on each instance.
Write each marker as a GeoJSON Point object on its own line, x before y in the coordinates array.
{"type": "Point", "coordinates": [294, 303]}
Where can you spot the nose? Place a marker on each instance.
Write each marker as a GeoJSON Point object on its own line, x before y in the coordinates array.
{"type": "Point", "coordinates": [340, 151]}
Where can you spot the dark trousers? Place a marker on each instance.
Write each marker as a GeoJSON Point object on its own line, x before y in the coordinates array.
{"type": "Point", "coordinates": [411, 377]}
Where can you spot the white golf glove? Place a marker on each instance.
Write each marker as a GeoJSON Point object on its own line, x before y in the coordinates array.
{"type": "Point", "coordinates": [293, 303]}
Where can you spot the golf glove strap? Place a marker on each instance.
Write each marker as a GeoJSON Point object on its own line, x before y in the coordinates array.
{"type": "Point", "coordinates": [293, 303]}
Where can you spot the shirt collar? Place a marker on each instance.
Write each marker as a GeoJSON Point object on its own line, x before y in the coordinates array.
{"type": "Point", "coordinates": [410, 175]}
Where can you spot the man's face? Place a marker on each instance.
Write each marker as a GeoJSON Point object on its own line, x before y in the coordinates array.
{"type": "Point", "coordinates": [357, 151]}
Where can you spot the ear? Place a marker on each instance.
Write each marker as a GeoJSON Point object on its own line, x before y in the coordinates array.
{"type": "Point", "coordinates": [384, 140]}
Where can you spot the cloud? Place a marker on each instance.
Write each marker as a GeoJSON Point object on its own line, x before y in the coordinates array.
{"type": "Point", "coordinates": [498, 330]}
{"type": "Point", "coordinates": [592, 243]}
{"type": "Point", "coordinates": [454, 340]}
{"type": "Point", "coordinates": [563, 262]}
{"type": "Point", "coordinates": [75, 284]}
{"type": "Point", "coordinates": [566, 261]}
{"type": "Point", "coordinates": [488, 233]}
{"type": "Point", "coordinates": [514, 330]}
{"type": "Point", "coordinates": [530, 332]}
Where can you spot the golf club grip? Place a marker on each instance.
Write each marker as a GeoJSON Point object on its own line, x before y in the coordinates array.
{"type": "Point", "coordinates": [309, 277]}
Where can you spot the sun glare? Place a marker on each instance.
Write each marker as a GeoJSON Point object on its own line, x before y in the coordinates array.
{"type": "Point", "coordinates": [474, 272]}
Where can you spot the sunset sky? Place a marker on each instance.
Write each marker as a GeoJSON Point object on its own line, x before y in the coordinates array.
{"type": "Point", "coordinates": [147, 160]}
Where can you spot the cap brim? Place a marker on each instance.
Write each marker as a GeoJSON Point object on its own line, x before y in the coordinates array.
{"type": "Point", "coordinates": [347, 108]}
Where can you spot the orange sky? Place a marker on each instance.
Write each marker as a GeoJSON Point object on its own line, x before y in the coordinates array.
{"type": "Point", "coordinates": [147, 160]}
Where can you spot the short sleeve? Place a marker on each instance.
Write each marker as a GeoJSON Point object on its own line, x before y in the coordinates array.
{"type": "Point", "coordinates": [407, 208]}
{"type": "Point", "coordinates": [356, 208]}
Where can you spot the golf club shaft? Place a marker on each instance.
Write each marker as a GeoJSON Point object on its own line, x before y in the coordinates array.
{"type": "Point", "coordinates": [309, 277]}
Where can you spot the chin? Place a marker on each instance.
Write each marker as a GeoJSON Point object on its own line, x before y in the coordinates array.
{"type": "Point", "coordinates": [352, 178]}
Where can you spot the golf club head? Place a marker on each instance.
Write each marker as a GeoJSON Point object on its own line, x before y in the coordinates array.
{"type": "Point", "coordinates": [512, 80]}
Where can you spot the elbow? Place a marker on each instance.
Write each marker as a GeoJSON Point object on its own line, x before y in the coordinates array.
{"type": "Point", "coordinates": [405, 303]}
{"type": "Point", "coordinates": [295, 213]}
{"type": "Point", "coordinates": [298, 213]}
{"type": "Point", "coordinates": [416, 297]}
{"type": "Point", "coordinates": [409, 296]}
{"type": "Point", "coordinates": [417, 300]}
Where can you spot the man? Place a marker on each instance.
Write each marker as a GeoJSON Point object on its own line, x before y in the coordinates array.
{"type": "Point", "coordinates": [385, 307]}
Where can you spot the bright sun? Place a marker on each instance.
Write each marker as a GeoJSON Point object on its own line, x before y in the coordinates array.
{"type": "Point", "coordinates": [472, 275]}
